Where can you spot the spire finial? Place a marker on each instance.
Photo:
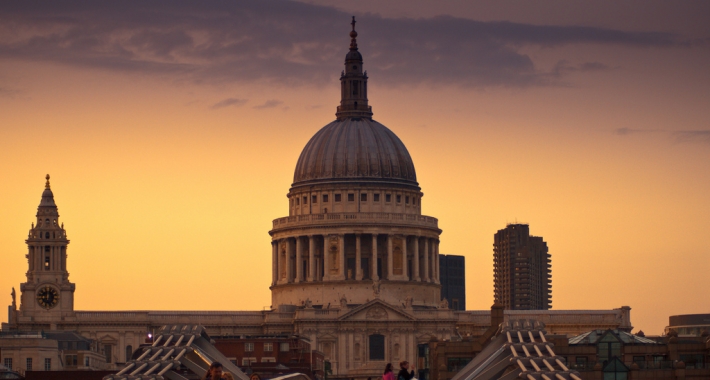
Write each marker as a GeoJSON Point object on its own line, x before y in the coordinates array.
{"type": "Point", "coordinates": [353, 35]}
{"type": "Point", "coordinates": [46, 185]}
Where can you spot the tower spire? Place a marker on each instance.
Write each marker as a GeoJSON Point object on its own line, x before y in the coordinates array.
{"type": "Point", "coordinates": [353, 84]}
{"type": "Point", "coordinates": [353, 36]}
{"type": "Point", "coordinates": [46, 185]}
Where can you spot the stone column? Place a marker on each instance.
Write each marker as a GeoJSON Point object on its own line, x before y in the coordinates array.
{"type": "Point", "coordinates": [311, 259]}
{"type": "Point", "coordinates": [279, 262]}
{"type": "Point", "coordinates": [415, 275]}
{"type": "Point", "coordinates": [374, 257]}
{"type": "Point", "coordinates": [274, 263]}
{"type": "Point", "coordinates": [405, 265]}
{"type": "Point", "coordinates": [358, 258]}
{"type": "Point", "coordinates": [390, 273]}
{"type": "Point", "coordinates": [436, 261]}
{"type": "Point", "coordinates": [425, 256]}
{"type": "Point", "coordinates": [341, 256]}
{"type": "Point", "coordinates": [299, 258]}
{"type": "Point", "coordinates": [326, 259]}
{"type": "Point", "coordinates": [288, 260]}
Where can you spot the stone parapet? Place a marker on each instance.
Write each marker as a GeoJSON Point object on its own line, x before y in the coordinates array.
{"type": "Point", "coordinates": [355, 218]}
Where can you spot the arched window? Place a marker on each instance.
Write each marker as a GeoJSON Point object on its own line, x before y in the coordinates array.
{"type": "Point", "coordinates": [129, 352]}
{"type": "Point", "coordinates": [46, 235]}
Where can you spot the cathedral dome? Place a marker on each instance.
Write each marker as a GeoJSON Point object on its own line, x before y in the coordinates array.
{"type": "Point", "coordinates": [355, 149]}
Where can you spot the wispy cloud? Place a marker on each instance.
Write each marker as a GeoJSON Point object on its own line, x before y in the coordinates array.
{"type": "Point", "coordinates": [702, 135]}
{"type": "Point", "coordinates": [631, 131]}
{"type": "Point", "coordinates": [289, 42]}
{"type": "Point", "coordinates": [688, 136]}
{"type": "Point", "coordinates": [7, 92]}
{"type": "Point", "coordinates": [229, 102]}
{"type": "Point", "coordinates": [269, 104]}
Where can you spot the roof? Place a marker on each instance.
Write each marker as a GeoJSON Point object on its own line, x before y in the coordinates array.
{"type": "Point", "coordinates": [66, 336]}
{"type": "Point", "coordinates": [594, 336]}
{"type": "Point", "coordinates": [355, 149]}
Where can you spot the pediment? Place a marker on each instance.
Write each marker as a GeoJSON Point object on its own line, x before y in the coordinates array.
{"type": "Point", "coordinates": [107, 339]}
{"type": "Point", "coordinates": [377, 310]}
{"type": "Point", "coordinates": [327, 337]}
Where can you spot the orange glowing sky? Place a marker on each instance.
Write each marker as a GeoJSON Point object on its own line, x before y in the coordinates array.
{"type": "Point", "coordinates": [169, 159]}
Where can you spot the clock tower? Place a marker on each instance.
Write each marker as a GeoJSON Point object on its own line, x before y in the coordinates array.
{"type": "Point", "coordinates": [47, 296]}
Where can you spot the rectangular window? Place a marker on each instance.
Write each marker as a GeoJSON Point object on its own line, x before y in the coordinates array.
{"type": "Point", "coordinates": [8, 363]}
{"type": "Point", "coordinates": [337, 197]}
{"type": "Point", "coordinates": [268, 360]}
{"type": "Point", "coordinates": [248, 361]}
{"type": "Point", "coordinates": [414, 201]}
{"type": "Point", "coordinates": [28, 364]}
{"type": "Point", "coordinates": [388, 198]}
{"type": "Point", "coordinates": [581, 361]}
{"type": "Point", "coordinates": [456, 364]}
{"type": "Point", "coordinates": [305, 200]}
{"type": "Point", "coordinates": [363, 197]}
{"type": "Point", "coordinates": [377, 347]}
{"type": "Point", "coordinates": [298, 202]}
{"type": "Point", "coordinates": [107, 353]}
{"type": "Point", "coordinates": [406, 199]}
{"type": "Point", "coordinates": [248, 347]}
{"type": "Point", "coordinates": [376, 197]}
{"type": "Point", "coordinates": [351, 197]}
{"type": "Point", "coordinates": [86, 361]}
{"type": "Point", "coordinates": [325, 198]}
{"type": "Point", "coordinates": [47, 364]}
{"type": "Point", "coordinates": [314, 199]}
{"type": "Point", "coordinates": [283, 347]}
{"type": "Point", "coordinates": [399, 198]}
{"type": "Point", "coordinates": [268, 347]}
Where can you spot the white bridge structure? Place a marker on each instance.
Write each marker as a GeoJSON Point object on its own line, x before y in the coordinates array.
{"type": "Point", "coordinates": [519, 351]}
{"type": "Point", "coordinates": [179, 352]}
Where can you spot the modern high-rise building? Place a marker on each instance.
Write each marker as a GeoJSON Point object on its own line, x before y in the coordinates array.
{"type": "Point", "coordinates": [522, 269]}
{"type": "Point", "coordinates": [452, 275]}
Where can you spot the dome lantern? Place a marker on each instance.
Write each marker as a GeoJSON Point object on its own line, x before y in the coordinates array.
{"type": "Point", "coordinates": [353, 84]}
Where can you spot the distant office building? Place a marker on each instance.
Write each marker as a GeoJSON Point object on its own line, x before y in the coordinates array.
{"type": "Point", "coordinates": [452, 274]}
{"type": "Point", "coordinates": [522, 270]}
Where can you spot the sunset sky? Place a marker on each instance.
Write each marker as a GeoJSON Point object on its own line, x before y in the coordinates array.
{"type": "Point", "coordinates": [171, 130]}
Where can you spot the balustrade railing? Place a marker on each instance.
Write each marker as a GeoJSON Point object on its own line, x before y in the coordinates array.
{"type": "Point", "coordinates": [364, 217]}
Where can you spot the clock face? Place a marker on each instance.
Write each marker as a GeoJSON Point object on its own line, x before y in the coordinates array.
{"type": "Point", "coordinates": [47, 297]}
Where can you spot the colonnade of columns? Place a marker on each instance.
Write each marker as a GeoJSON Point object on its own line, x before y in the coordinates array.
{"type": "Point", "coordinates": [51, 259]}
{"type": "Point", "coordinates": [357, 256]}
